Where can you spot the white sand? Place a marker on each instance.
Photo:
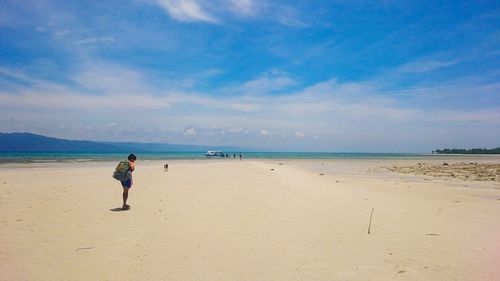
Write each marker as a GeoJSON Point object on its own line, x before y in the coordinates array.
{"type": "Point", "coordinates": [240, 220]}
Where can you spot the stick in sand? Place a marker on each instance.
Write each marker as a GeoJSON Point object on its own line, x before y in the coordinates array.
{"type": "Point", "coordinates": [370, 225]}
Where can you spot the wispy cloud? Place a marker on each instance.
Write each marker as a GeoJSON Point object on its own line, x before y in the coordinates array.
{"type": "Point", "coordinates": [93, 40]}
{"type": "Point", "coordinates": [219, 11]}
{"type": "Point", "coordinates": [187, 10]}
{"type": "Point", "coordinates": [288, 16]}
{"type": "Point", "coordinates": [422, 66]}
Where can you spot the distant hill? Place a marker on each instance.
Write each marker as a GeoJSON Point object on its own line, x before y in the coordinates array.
{"type": "Point", "coordinates": [28, 142]}
{"type": "Point", "coordinates": [468, 151]}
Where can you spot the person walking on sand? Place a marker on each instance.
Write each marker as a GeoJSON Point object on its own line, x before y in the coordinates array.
{"type": "Point", "coordinates": [127, 184]}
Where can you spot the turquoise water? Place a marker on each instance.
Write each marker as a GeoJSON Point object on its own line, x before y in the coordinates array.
{"type": "Point", "coordinates": [26, 157]}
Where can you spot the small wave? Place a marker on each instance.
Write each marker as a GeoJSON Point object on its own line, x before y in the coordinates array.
{"type": "Point", "coordinates": [84, 160]}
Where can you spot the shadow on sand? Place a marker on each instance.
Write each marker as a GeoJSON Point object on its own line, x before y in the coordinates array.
{"type": "Point", "coordinates": [118, 209]}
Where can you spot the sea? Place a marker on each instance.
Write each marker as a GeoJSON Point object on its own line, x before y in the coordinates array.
{"type": "Point", "coordinates": [34, 157]}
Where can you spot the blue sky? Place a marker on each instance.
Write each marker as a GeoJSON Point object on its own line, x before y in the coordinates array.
{"type": "Point", "coordinates": [400, 76]}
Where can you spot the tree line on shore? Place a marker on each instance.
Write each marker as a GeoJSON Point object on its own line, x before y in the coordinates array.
{"type": "Point", "coordinates": [468, 151]}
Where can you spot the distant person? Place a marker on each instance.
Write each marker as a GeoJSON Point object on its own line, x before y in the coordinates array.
{"type": "Point", "coordinates": [127, 184]}
{"type": "Point", "coordinates": [240, 155]}
{"type": "Point", "coordinates": [234, 155]}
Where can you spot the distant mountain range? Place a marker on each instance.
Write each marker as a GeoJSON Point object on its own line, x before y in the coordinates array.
{"type": "Point", "coordinates": [28, 142]}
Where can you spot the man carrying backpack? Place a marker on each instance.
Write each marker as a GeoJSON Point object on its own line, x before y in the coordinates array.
{"type": "Point", "coordinates": [123, 173]}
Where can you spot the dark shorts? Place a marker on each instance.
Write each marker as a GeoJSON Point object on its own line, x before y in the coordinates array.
{"type": "Point", "coordinates": [127, 183]}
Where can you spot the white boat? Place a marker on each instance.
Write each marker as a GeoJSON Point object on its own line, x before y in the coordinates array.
{"type": "Point", "coordinates": [213, 153]}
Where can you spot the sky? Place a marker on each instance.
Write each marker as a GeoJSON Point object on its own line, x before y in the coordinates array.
{"type": "Point", "coordinates": [303, 75]}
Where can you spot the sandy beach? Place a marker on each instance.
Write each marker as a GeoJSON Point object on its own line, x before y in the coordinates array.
{"type": "Point", "coordinates": [252, 220]}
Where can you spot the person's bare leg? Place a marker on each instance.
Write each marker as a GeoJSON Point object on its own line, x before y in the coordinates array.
{"type": "Point", "coordinates": [125, 197]}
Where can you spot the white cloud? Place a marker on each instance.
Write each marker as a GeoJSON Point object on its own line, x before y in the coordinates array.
{"type": "Point", "coordinates": [245, 107]}
{"type": "Point", "coordinates": [483, 116]}
{"type": "Point", "coordinates": [111, 79]}
{"type": "Point", "coordinates": [300, 135]}
{"type": "Point", "coordinates": [186, 10]}
{"type": "Point", "coordinates": [244, 7]}
{"type": "Point", "coordinates": [267, 82]}
{"type": "Point", "coordinates": [237, 130]}
{"type": "Point", "coordinates": [78, 101]}
{"type": "Point", "coordinates": [99, 87]}
{"type": "Point", "coordinates": [190, 131]}
{"type": "Point", "coordinates": [264, 132]}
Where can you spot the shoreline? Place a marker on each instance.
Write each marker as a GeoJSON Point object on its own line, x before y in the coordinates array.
{"type": "Point", "coordinates": [65, 158]}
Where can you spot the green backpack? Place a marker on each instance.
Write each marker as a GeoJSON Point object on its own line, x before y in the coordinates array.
{"type": "Point", "coordinates": [121, 172]}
